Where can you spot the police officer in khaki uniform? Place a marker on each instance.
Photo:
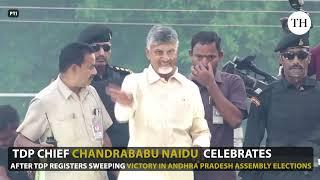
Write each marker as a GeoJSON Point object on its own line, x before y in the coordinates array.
{"type": "Point", "coordinates": [70, 110]}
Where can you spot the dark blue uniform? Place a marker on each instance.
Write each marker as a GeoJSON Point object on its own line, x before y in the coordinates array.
{"type": "Point", "coordinates": [290, 117]}
{"type": "Point", "coordinates": [118, 132]}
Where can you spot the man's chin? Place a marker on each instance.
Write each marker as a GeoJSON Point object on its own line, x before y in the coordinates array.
{"type": "Point", "coordinates": [166, 70]}
{"type": "Point", "coordinates": [297, 75]}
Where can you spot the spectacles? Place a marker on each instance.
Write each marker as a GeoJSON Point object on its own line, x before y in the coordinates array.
{"type": "Point", "coordinates": [301, 55]}
{"type": "Point", "coordinates": [105, 47]}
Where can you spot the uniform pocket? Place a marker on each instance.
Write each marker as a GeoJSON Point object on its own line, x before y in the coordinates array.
{"type": "Point", "coordinates": [65, 128]}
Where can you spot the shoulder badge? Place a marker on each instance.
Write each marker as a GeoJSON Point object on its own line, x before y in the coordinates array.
{"type": "Point", "coordinates": [300, 42]}
{"type": "Point", "coordinates": [255, 101]}
{"type": "Point", "coordinates": [121, 69]}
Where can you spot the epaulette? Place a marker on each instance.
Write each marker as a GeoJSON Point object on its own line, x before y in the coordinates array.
{"type": "Point", "coordinates": [121, 69]}
{"type": "Point", "coordinates": [255, 101]}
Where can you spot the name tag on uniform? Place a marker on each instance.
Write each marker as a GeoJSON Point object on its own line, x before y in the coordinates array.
{"type": "Point", "coordinates": [216, 117]}
{"type": "Point", "coordinates": [97, 127]}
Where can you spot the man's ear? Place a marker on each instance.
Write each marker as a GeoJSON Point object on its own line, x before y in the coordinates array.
{"type": "Point", "coordinates": [221, 55]}
{"type": "Point", "coordinates": [309, 59]}
{"type": "Point", "coordinates": [147, 52]}
{"type": "Point", "coordinates": [190, 52]}
{"type": "Point", "coordinates": [280, 60]}
{"type": "Point", "coordinates": [74, 68]}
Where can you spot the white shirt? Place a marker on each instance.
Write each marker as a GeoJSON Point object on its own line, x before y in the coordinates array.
{"type": "Point", "coordinates": [164, 114]}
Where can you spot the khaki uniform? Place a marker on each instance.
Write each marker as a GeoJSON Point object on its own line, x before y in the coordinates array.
{"type": "Point", "coordinates": [58, 111]}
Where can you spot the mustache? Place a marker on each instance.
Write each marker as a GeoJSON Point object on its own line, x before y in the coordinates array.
{"type": "Point", "coordinates": [101, 58]}
{"type": "Point", "coordinates": [296, 67]}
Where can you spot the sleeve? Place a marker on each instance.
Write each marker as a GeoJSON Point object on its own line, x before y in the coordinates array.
{"type": "Point", "coordinates": [238, 95]}
{"type": "Point", "coordinates": [199, 131]}
{"type": "Point", "coordinates": [106, 119]}
{"type": "Point", "coordinates": [34, 124]}
{"type": "Point", "coordinates": [254, 132]}
{"type": "Point", "coordinates": [124, 113]}
{"type": "Point", "coordinates": [256, 123]}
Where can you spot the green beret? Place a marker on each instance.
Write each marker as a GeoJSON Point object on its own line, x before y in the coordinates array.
{"type": "Point", "coordinates": [290, 40]}
{"type": "Point", "coordinates": [95, 33]}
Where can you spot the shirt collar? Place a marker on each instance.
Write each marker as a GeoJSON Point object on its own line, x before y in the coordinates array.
{"type": "Point", "coordinates": [67, 92]}
{"type": "Point", "coordinates": [217, 76]}
{"type": "Point", "coordinates": [153, 76]}
{"type": "Point", "coordinates": [308, 82]}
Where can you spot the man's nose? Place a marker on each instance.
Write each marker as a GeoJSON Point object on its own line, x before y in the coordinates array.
{"type": "Point", "coordinates": [296, 60]}
{"type": "Point", "coordinates": [205, 61]}
{"type": "Point", "coordinates": [165, 57]}
{"type": "Point", "coordinates": [101, 51]}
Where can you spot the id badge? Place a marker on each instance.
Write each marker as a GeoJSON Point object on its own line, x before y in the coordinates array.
{"type": "Point", "coordinates": [97, 127]}
{"type": "Point", "coordinates": [216, 117]}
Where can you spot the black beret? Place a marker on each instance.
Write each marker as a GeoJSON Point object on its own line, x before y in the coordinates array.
{"type": "Point", "coordinates": [95, 33]}
{"type": "Point", "coordinates": [292, 40]}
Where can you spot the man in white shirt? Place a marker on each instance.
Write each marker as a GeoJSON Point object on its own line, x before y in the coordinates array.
{"type": "Point", "coordinates": [164, 108]}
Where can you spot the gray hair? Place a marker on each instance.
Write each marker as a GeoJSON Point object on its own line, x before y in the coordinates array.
{"type": "Point", "coordinates": [161, 34]}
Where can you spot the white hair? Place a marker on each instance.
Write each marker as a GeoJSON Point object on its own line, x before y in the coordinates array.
{"type": "Point", "coordinates": [161, 34]}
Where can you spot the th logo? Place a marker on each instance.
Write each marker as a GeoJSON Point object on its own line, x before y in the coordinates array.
{"type": "Point", "coordinates": [299, 23]}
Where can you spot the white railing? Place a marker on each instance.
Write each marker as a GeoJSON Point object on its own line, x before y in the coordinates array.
{"type": "Point", "coordinates": [17, 94]}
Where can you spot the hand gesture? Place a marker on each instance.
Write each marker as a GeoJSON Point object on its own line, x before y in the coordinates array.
{"type": "Point", "coordinates": [203, 74]}
{"type": "Point", "coordinates": [119, 96]}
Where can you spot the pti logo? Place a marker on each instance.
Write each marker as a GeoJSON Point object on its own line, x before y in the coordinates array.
{"type": "Point", "coordinates": [13, 13]}
{"type": "Point", "coordinates": [299, 23]}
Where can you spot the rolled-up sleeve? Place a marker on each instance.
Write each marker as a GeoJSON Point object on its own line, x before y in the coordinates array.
{"type": "Point", "coordinates": [34, 124]}
{"type": "Point", "coordinates": [124, 113]}
{"type": "Point", "coordinates": [199, 131]}
{"type": "Point", "coordinates": [255, 132]}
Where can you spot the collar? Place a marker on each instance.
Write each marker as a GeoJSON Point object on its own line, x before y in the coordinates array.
{"type": "Point", "coordinates": [107, 73]}
{"type": "Point", "coordinates": [217, 76]}
{"type": "Point", "coordinates": [307, 82]}
{"type": "Point", "coordinates": [67, 92]}
{"type": "Point", "coordinates": [153, 76]}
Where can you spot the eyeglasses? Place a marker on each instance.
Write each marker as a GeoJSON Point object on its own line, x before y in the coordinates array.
{"type": "Point", "coordinates": [301, 55]}
{"type": "Point", "coordinates": [105, 47]}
